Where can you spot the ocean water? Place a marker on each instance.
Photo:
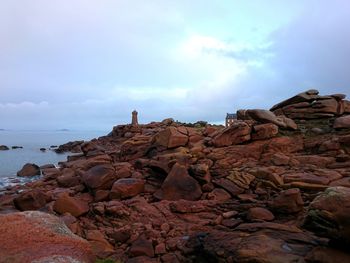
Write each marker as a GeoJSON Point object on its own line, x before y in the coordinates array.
{"type": "Point", "coordinates": [13, 160]}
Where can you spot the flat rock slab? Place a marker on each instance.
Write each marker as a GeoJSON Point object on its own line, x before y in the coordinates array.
{"type": "Point", "coordinates": [34, 236]}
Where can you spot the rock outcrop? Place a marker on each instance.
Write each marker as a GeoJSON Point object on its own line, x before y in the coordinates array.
{"type": "Point", "coordinates": [272, 187]}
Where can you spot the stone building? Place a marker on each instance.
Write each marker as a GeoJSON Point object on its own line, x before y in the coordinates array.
{"type": "Point", "coordinates": [230, 118]}
{"type": "Point", "coordinates": [134, 120]}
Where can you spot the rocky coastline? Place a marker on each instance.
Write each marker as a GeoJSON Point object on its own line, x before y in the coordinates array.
{"type": "Point", "coordinates": [272, 187]}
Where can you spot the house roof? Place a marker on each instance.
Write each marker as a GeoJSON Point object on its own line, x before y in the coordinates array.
{"type": "Point", "coordinates": [231, 116]}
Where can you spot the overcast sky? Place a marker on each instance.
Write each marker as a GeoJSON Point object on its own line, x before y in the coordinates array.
{"type": "Point", "coordinates": [84, 64]}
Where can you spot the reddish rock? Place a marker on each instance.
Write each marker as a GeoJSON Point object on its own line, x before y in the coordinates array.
{"type": "Point", "coordinates": [329, 214]}
{"type": "Point", "coordinates": [32, 200]}
{"type": "Point", "coordinates": [126, 187]}
{"type": "Point", "coordinates": [100, 177]}
{"type": "Point", "coordinates": [29, 169]}
{"type": "Point", "coordinates": [264, 131]}
{"type": "Point", "coordinates": [259, 213]}
{"type": "Point", "coordinates": [72, 205]}
{"type": "Point", "coordinates": [237, 133]}
{"type": "Point", "coordinates": [327, 255]}
{"type": "Point", "coordinates": [306, 96]}
{"type": "Point", "coordinates": [288, 201]}
{"type": "Point", "coordinates": [68, 178]}
{"type": "Point", "coordinates": [305, 177]}
{"type": "Point", "coordinates": [179, 185]}
{"type": "Point", "coordinates": [219, 195]}
{"type": "Point", "coordinates": [342, 122]}
{"type": "Point", "coordinates": [34, 236]}
{"type": "Point", "coordinates": [100, 246]}
{"type": "Point", "coordinates": [141, 247]}
{"type": "Point", "coordinates": [170, 138]}
{"type": "Point", "coordinates": [341, 182]}
{"type": "Point", "coordinates": [229, 186]}
{"type": "Point", "coordinates": [264, 116]}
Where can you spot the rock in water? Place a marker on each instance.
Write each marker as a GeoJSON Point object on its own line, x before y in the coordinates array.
{"type": "Point", "coordinates": [29, 169]}
{"type": "Point", "coordinates": [34, 236]}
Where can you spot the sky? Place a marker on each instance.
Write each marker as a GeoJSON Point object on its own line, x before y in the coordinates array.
{"type": "Point", "coordinates": [86, 64]}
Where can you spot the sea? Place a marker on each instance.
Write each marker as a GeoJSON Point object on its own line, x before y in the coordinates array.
{"type": "Point", "coordinates": [13, 160]}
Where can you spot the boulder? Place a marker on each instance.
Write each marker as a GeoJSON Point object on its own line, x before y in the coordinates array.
{"type": "Point", "coordinates": [32, 200]}
{"type": "Point", "coordinates": [170, 138]}
{"type": "Point", "coordinates": [33, 236]}
{"type": "Point", "coordinates": [100, 246]}
{"type": "Point", "coordinates": [68, 204]}
{"type": "Point", "coordinates": [29, 169]}
{"type": "Point", "coordinates": [141, 247]}
{"type": "Point", "coordinates": [259, 213]}
{"type": "Point", "coordinates": [342, 122]}
{"type": "Point", "coordinates": [179, 185]}
{"type": "Point", "coordinates": [264, 116]}
{"type": "Point", "coordinates": [100, 177]}
{"type": "Point", "coordinates": [264, 131]}
{"type": "Point", "coordinates": [329, 214]}
{"type": "Point", "coordinates": [306, 96]}
{"type": "Point", "coordinates": [238, 132]}
{"type": "Point", "coordinates": [126, 187]}
{"type": "Point", "coordinates": [288, 202]}
{"type": "Point", "coordinates": [68, 178]}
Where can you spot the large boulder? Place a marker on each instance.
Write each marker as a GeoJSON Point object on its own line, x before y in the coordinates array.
{"type": "Point", "coordinates": [170, 137]}
{"type": "Point", "coordinates": [68, 204]}
{"type": "Point", "coordinates": [238, 132]}
{"type": "Point", "coordinates": [29, 169]}
{"type": "Point", "coordinates": [127, 187]}
{"type": "Point", "coordinates": [179, 185]}
{"type": "Point", "coordinates": [264, 116]}
{"type": "Point", "coordinates": [329, 214]}
{"type": "Point", "coordinates": [264, 131]}
{"type": "Point", "coordinates": [100, 177]}
{"type": "Point", "coordinates": [342, 122]}
{"type": "Point", "coordinates": [306, 96]}
{"type": "Point", "coordinates": [34, 236]}
{"type": "Point", "coordinates": [32, 200]}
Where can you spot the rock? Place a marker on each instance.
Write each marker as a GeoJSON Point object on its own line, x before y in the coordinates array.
{"type": "Point", "coordinates": [259, 213]}
{"type": "Point", "coordinates": [179, 185]}
{"type": "Point", "coordinates": [34, 236]}
{"type": "Point", "coordinates": [219, 195]}
{"type": "Point", "coordinates": [342, 122]}
{"type": "Point", "coordinates": [170, 138]}
{"type": "Point", "coordinates": [229, 186]}
{"type": "Point", "coordinates": [141, 247]}
{"type": "Point", "coordinates": [68, 178]}
{"type": "Point", "coordinates": [100, 177]}
{"type": "Point", "coordinates": [127, 187]}
{"type": "Point", "coordinates": [264, 131]}
{"type": "Point", "coordinates": [29, 169]}
{"type": "Point", "coordinates": [100, 246]}
{"type": "Point", "coordinates": [15, 147]}
{"type": "Point", "coordinates": [73, 147]}
{"type": "Point", "coordinates": [306, 96]}
{"type": "Point", "coordinates": [238, 132]}
{"type": "Point", "coordinates": [329, 214]}
{"type": "Point", "coordinates": [72, 205]}
{"type": "Point", "coordinates": [288, 201]}
{"type": "Point", "coordinates": [327, 255]}
{"type": "Point", "coordinates": [4, 148]}
{"type": "Point", "coordinates": [264, 116]}
{"type": "Point", "coordinates": [32, 200]}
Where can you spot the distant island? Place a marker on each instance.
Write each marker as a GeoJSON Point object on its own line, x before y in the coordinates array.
{"type": "Point", "coordinates": [63, 130]}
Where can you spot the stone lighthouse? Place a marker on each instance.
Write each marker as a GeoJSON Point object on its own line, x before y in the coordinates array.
{"type": "Point", "coordinates": [134, 121]}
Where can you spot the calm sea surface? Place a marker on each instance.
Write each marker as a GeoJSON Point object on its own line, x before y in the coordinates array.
{"type": "Point", "coordinates": [12, 160]}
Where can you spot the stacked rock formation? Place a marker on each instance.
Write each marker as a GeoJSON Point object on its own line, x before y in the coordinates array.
{"type": "Point", "coordinates": [273, 187]}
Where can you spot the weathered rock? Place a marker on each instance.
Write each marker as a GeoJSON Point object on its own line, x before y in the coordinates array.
{"type": "Point", "coordinates": [32, 200]}
{"type": "Point", "coordinates": [100, 246]}
{"type": "Point", "coordinates": [306, 96]}
{"type": "Point", "coordinates": [29, 169]}
{"type": "Point", "coordinates": [237, 133]}
{"type": "Point", "coordinates": [34, 236]}
{"type": "Point", "coordinates": [288, 201]}
{"type": "Point", "coordinates": [259, 213]}
{"type": "Point", "coordinates": [179, 185]}
{"type": "Point", "coordinates": [264, 116]}
{"type": "Point", "coordinates": [100, 177]}
{"type": "Point", "coordinates": [342, 122]}
{"type": "Point", "coordinates": [68, 178]}
{"type": "Point", "coordinates": [141, 247]}
{"type": "Point", "coordinates": [127, 187]}
{"type": "Point", "coordinates": [170, 138]}
{"type": "Point", "coordinates": [264, 131]}
{"type": "Point", "coordinates": [329, 214]}
{"type": "Point", "coordinates": [72, 205]}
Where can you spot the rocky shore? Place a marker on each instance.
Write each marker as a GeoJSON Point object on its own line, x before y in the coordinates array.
{"type": "Point", "coordinates": [272, 187]}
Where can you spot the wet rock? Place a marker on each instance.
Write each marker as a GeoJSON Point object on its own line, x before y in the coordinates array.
{"type": "Point", "coordinates": [179, 185]}
{"type": "Point", "coordinates": [34, 236]}
{"type": "Point", "coordinates": [29, 169]}
{"type": "Point", "coordinates": [127, 187]}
